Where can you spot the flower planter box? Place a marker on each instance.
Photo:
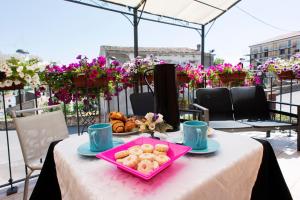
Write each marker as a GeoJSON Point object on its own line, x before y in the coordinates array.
{"type": "Point", "coordinates": [13, 87]}
{"type": "Point", "coordinates": [234, 77]}
{"type": "Point", "coordinates": [82, 81]}
{"type": "Point", "coordinates": [284, 75]}
{"type": "Point", "coordinates": [183, 78]}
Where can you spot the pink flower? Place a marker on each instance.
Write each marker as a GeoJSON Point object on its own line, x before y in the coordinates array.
{"type": "Point", "coordinates": [101, 61]}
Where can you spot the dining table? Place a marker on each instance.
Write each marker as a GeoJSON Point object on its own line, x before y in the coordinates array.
{"type": "Point", "coordinates": [227, 174]}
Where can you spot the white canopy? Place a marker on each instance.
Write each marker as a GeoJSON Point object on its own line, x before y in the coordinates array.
{"type": "Point", "coordinates": [196, 11]}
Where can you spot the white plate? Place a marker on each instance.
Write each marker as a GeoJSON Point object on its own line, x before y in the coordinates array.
{"type": "Point", "coordinates": [126, 133]}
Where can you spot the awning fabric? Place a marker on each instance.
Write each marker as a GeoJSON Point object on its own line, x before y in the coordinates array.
{"type": "Point", "coordinates": [196, 11]}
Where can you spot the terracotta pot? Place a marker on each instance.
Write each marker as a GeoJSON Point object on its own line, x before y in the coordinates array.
{"type": "Point", "coordinates": [82, 81]}
{"type": "Point", "coordinates": [183, 78]}
{"type": "Point", "coordinates": [283, 75]}
{"type": "Point", "coordinates": [234, 77]}
{"type": "Point", "coordinates": [13, 87]}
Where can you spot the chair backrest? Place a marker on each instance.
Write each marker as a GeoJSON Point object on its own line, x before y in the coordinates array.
{"type": "Point", "coordinates": [142, 103]}
{"type": "Point", "coordinates": [36, 132]}
{"type": "Point", "coordinates": [218, 101]}
{"type": "Point", "coordinates": [250, 103]}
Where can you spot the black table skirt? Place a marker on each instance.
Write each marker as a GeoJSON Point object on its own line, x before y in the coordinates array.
{"type": "Point", "coordinates": [269, 185]}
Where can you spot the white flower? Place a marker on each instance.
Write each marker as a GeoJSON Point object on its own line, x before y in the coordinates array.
{"type": "Point", "coordinates": [36, 78]}
{"type": "Point", "coordinates": [159, 119]}
{"type": "Point", "coordinates": [17, 82]}
{"type": "Point", "coordinates": [151, 126]}
{"type": "Point", "coordinates": [8, 72]}
{"type": "Point", "coordinates": [149, 116]}
{"type": "Point", "coordinates": [21, 74]}
{"type": "Point", "coordinates": [27, 78]}
{"type": "Point", "coordinates": [8, 83]}
{"type": "Point", "coordinates": [20, 69]}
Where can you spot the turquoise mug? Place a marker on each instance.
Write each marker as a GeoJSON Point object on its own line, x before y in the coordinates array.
{"type": "Point", "coordinates": [195, 134]}
{"type": "Point", "coordinates": [100, 137]}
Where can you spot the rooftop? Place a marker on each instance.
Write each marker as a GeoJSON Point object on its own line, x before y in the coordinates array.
{"type": "Point", "coordinates": [280, 37]}
{"type": "Point", "coordinates": [158, 50]}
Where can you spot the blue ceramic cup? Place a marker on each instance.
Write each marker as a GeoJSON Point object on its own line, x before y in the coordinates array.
{"type": "Point", "coordinates": [195, 134]}
{"type": "Point", "coordinates": [100, 137]}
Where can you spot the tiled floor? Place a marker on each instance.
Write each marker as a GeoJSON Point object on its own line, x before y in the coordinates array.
{"type": "Point", "coordinates": [284, 147]}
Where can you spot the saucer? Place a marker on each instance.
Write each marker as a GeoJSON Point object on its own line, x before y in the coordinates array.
{"type": "Point", "coordinates": [84, 149]}
{"type": "Point", "coordinates": [212, 146]}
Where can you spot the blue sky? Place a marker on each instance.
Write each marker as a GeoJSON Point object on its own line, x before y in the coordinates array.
{"type": "Point", "coordinates": [57, 30]}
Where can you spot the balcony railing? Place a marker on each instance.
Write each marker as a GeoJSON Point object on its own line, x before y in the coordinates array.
{"type": "Point", "coordinates": [79, 115]}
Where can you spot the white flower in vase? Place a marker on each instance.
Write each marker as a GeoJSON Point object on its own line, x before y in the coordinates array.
{"type": "Point", "coordinates": [17, 82]}
{"type": "Point", "coordinates": [8, 83]}
{"type": "Point", "coordinates": [20, 69]}
{"type": "Point", "coordinates": [27, 78]}
{"type": "Point", "coordinates": [21, 74]}
{"type": "Point", "coordinates": [149, 116]}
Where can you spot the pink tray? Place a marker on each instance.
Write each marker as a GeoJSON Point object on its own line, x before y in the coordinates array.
{"type": "Point", "coordinates": [175, 151]}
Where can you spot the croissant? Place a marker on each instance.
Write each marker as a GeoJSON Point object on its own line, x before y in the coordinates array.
{"type": "Point", "coordinates": [116, 116]}
{"type": "Point", "coordinates": [129, 125]}
{"type": "Point", "coordinates": [117, 126]}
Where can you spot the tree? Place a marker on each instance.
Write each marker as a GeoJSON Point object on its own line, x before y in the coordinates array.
{"type": "Point", "coordinates": [218, 61]}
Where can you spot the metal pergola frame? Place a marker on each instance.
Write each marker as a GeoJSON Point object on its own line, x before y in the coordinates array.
{"type": "Point", "coordinates": [137, 16]}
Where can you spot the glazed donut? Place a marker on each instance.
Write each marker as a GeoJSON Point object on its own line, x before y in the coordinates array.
{"type": "Point", "coordinates": [155, 164]}
{"type": "Point", "coordinates": [136, 151]}
{"type": "Point", "coordinates": [145, 166]}
{"type": "Point", "coordinates": [119, 161]}
{"type": "Point", "coordinates": [121, 154]}
{"type": "Point", "coordinates": [161, 159]}
{"type": "Point", "coordinates": [155, 152]}
{"type": "Point", "coordinates": [130, 161]}
{"type": "Point", "coordinates": [161, 147]}
{"type": "Point", "coordinates": [147, 148]}
{"type": "Point", "coordinates": [147, 156]}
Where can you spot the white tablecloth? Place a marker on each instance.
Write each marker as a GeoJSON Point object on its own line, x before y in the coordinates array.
{"type": "Point", "coordinates": [228, 175]}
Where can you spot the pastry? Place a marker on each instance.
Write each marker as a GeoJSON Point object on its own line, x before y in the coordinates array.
{"type": "Point", "coordinates": [135, 151]}
{"type": "Point", "coordinates": [130, 161]}
{"type": "Point", "coordinates": [147, 156]}
{"type": "Point", "coordinates": [121, 154]}
{"type": "Point", "coordinates": [129, 125]}
{"type": "Point", "coordinates": [161, 147]}
{"type": "Point", "coordinates": [161, 159]}
{"type": "Point", "coordinates": [147, 148]}
{"type": "Point", "coordinates": [145, 166]}
{"type": "Point", "coordinates": [155, 152]}
{"type": "Point", "coordinates": [117, 126]}
{"type": "Point", "coordinates": [116, 116]}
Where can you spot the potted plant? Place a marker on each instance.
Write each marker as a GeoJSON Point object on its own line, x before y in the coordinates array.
{"type": "Point", "coordinates": [229, 74]}
{"type": "Point", "coordinates": [138, 66]}
{"type": "Point", "coordinates": [182, 73]}
{"type": "Point", "coordinates": [16, 73]}
{"type": "Point", "coordinates": [284, 69]}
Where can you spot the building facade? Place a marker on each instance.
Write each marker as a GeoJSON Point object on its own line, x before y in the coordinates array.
{"type": "Point", "coordinates": [283, 46]}
{"type": "Point", "coordinates": [170, 55]}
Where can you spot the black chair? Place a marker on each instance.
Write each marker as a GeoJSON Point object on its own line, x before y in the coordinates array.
{"type": "Point", "coordinates": [218, 101]}
{"type": "Point", "coordinates": [243, 109]}
{"type": "Point", "coordinates": [251, 107]}
{"type": "Point", "coordinates": [142, 103]}
{"type": "Point", "coordinates": [219, 105]}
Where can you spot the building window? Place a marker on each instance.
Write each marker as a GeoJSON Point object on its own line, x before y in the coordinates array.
{"type": "Point", "coordinates": [289, 43]}
{"type": "Point", "coordinates": [296, 50]}
{"type": "Point", "coordinates": [266, 54]}
{"type": "Point", "coordinates": [289, 51]}
{"type": "Point", "coordinates": [254, 56]}
{"type": "Point", "coordinates": [281, 51]}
